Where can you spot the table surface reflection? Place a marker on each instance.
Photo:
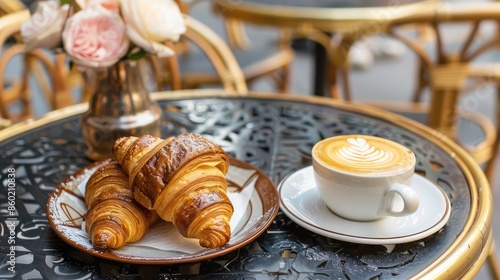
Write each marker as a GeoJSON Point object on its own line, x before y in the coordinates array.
{"type": "Point", "coordinates": [274, 133]}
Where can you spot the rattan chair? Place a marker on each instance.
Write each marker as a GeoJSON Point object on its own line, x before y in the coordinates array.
{"type": "Point", "coordinates": [16, 99]}
{"type": "Point", "coordinates": [227, 70]}
{"type": "Point", "coordinates": [271, 64]}
{"type": "Point", "coordinates": [168, 74]}
{"type": "Point", "coordinates": [7, 7]}
{"type": "Point", "coordinates": [10, 6]}
{"type": "Point", "coordinates": [446, 70]}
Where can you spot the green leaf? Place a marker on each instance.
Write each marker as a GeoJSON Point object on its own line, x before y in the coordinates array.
{"type": "Point", "coordinates": [62, 2]}
{"type": "Point", "coordinates": [136, 55]}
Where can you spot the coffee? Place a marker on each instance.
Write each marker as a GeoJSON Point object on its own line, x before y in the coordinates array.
{"type": "Point", "coordinates": [363, 155]}
{"type": "Point", "coordinates": [365, 178]}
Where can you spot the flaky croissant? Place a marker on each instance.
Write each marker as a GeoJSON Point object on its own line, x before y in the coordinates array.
{"type": "Point", "coordinates": [183, 179]}
{"type": "Point", "coordinates": [114, 218]}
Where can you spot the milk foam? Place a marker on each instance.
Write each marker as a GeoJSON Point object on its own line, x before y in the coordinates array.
{"type": "Point", "coordinates": [364, 155]}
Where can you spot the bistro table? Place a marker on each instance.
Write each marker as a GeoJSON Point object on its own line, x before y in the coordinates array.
{"type": "Point", "coordinates": [274, 133]}
{"type": "Point", "coordinates": [318, 19]}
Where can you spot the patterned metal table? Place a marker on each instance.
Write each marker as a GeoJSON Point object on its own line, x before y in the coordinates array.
{"type": "Point", "coordinates": [274, 133]}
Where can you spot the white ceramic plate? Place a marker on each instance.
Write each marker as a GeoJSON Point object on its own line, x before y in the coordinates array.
{"type": "Point", "coordinates": [66, 212]}
{"type": "Point", "coordinates": [301, 202]}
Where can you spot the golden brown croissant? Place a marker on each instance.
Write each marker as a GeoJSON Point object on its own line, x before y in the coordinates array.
{"type": "Point", "coordinates": [114, 218]}
{"type": "Point", "coordinates": [183, 179]}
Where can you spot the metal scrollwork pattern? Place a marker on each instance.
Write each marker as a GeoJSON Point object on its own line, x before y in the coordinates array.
{"type": "Point", "coordinates": [273, 135]}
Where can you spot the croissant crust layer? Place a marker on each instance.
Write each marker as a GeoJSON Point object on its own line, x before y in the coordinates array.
{"type": "Point", "coordinates": [114, 218]}
{"type": "Point", "coordinates": [160, 166]}
{"type": "Point", "coordinates": [183, 179]}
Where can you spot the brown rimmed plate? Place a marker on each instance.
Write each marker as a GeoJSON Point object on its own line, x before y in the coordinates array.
{"type": "Point", "coordinates": [66, 212]}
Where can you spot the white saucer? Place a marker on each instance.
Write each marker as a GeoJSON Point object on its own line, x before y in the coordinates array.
{"type": "Point", "coordinates": [301, 202]}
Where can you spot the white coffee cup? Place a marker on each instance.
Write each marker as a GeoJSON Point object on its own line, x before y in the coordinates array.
{"type": "Point", "coordinates": [365, 178]}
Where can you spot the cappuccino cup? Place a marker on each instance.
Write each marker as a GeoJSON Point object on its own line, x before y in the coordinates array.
{"type": "Point", "coordinates": [365, 178]}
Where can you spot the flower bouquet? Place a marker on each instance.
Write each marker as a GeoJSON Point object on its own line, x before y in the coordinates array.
{"type": "Point", "coordinates": [105, 40]}
{"type": "Point", "coordinates": [99, 33]}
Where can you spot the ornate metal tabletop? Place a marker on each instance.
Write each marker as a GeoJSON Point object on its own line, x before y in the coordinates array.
{"type": "Point", "coordinates": [275, 134]}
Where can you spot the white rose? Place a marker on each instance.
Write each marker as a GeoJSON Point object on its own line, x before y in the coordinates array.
{"type": "Point", "coordinates": [150, 23]}
{"type": "Point", "coordinates": [43, 29]}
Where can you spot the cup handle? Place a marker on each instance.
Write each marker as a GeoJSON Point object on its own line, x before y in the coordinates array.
{"type": "Point", "coordinates": [400, 192]}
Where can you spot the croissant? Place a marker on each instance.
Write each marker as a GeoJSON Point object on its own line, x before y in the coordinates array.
{"type": "Point", "coordinates": [183, 179]}
{"type": "Point", "coordinates": [114, 218]}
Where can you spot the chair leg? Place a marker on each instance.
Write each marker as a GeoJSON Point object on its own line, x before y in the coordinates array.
{"type": "Point", "coordinates": [422, 83]}
{"type": "Point", "coordinates": [283, 79]}
{"type": "Point", "coordinates": [333, 86]}
{"type": "Point", "coordinates": [491, 164]}
{"type": "Point", "coordinates": [287, 80]}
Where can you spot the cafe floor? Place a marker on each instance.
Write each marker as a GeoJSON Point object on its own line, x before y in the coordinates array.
{"type": "Point", "coordinates": [388, 78]}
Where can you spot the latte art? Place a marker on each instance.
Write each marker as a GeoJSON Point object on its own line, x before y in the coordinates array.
{"type": "Point", "coordinates": [364, 155]}
{"type": "Point", "coordinates": [359, 151]}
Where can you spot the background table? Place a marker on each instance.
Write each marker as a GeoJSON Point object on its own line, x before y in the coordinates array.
{"type": "Point", "coordinates": [274, 133]}
{"type": "Point", "coordinates": [306, 18]}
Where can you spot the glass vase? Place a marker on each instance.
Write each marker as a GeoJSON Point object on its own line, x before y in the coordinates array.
{"type": "Point", "coordinates": [119, 105]}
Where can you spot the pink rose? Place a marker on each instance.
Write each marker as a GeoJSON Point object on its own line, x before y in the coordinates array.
{"type": "Point", "coordinates": [112, 5]}
{"type": "Point", "coordinates": [43, 29]}
{"type": "Point", "coordinates": [95, 37]}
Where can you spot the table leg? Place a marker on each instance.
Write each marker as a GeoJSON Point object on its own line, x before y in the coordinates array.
{"type": "Point", "coordinates": [320, 59]}
{"type": "Point", "coordinates": [320, 69]}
